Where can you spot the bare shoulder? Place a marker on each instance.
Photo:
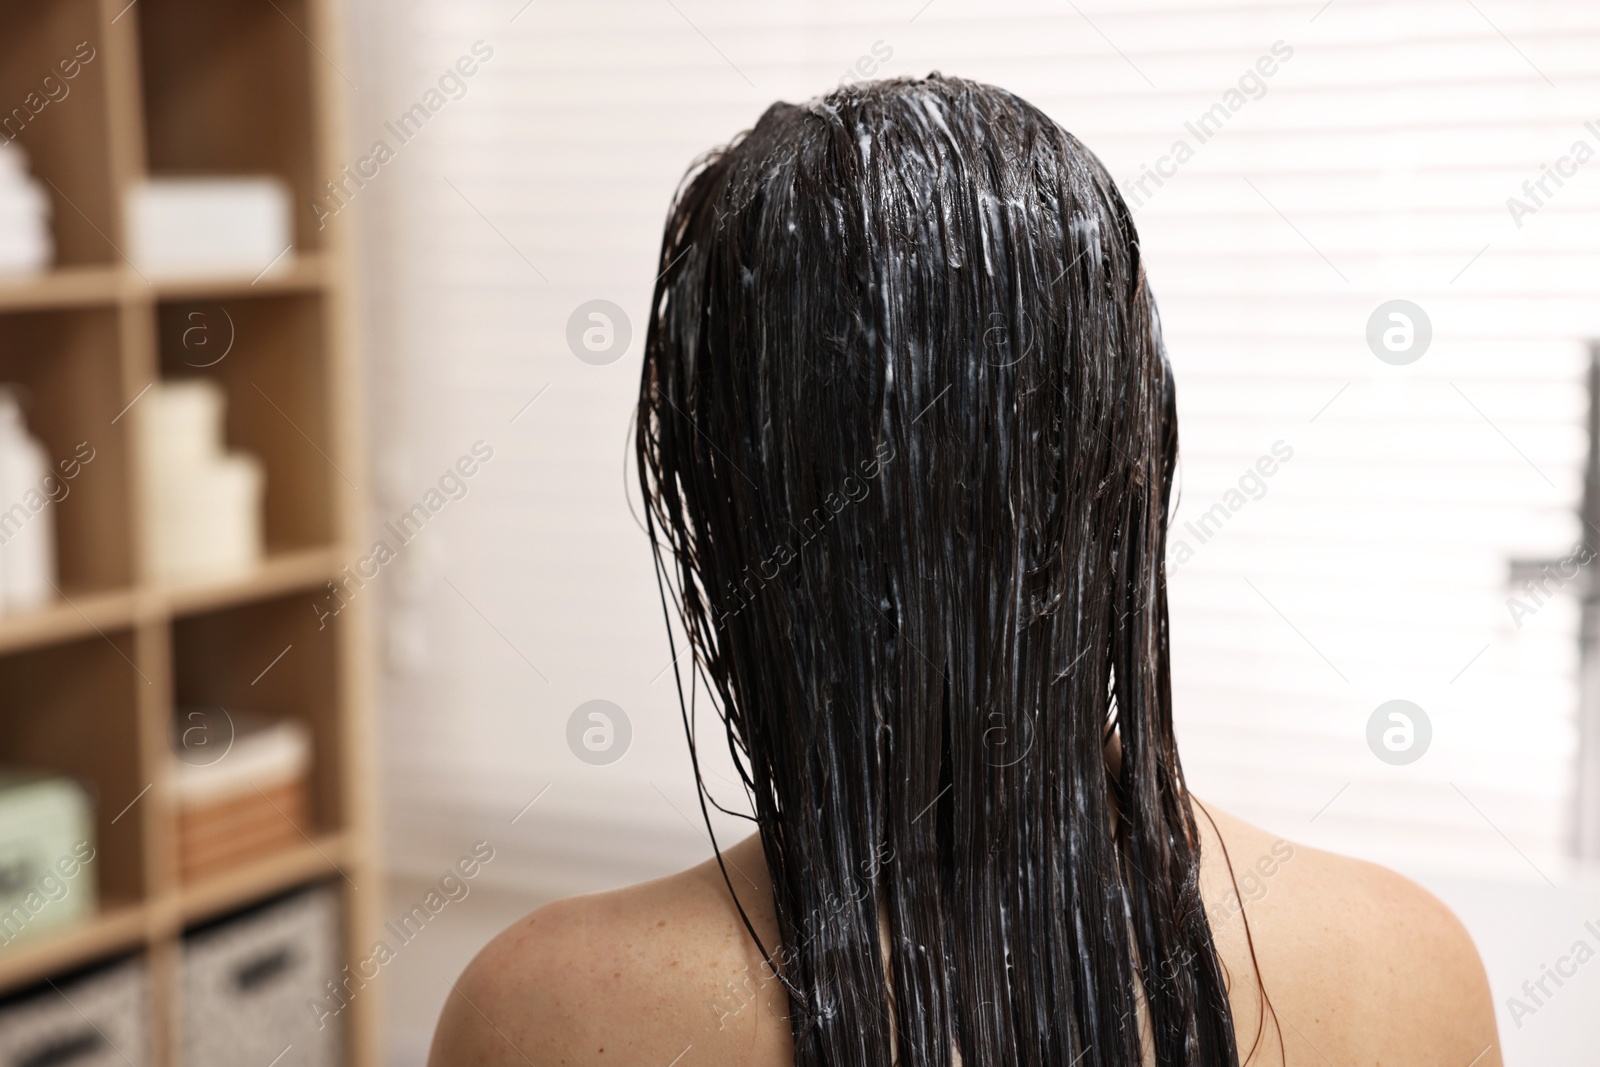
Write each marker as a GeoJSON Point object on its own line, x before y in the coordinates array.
{"type": "Point", "coordinates": [1360, 964]}
{"type": "Point", "coordinates": [634, 976]}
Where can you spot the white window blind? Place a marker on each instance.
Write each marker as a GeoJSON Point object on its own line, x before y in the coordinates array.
{"type": "Point", "coordinates": [1373, 163]}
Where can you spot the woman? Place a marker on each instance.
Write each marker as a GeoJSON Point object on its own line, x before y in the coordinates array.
{"type": "Point", "coordinates": [907, 436]}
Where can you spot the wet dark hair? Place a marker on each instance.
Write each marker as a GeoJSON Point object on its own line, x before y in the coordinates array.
{"type": "Point", "coordinates": [906, 436]}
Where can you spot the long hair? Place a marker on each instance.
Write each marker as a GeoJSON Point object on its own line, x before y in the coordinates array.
{"type": "Point", "coordinates": [906, 436]}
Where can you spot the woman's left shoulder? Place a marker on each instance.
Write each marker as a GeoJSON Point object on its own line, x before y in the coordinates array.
{"type": "Point", "coordinates": [639, 975]}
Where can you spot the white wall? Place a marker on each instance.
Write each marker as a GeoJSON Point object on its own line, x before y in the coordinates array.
{"type": "Point", "coordinates": [1375, 165]}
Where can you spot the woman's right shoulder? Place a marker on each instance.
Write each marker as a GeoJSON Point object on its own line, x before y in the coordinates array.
{"type": "Point", "coordinates": [1359, 963]}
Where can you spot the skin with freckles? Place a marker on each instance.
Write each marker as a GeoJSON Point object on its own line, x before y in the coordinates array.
{"type": "Point", "coordinates": [1362, 967]}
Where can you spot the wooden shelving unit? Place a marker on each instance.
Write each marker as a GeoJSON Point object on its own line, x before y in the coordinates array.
{"type": "Point", "coordinates": [88, 685]}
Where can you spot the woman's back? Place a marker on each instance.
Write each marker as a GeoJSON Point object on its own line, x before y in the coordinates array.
{"type": "Point", "coordinates": [1362, 967]}
{"type": "Point", "coordinates": [907, 440]}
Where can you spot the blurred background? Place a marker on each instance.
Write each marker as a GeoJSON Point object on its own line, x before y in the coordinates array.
{"type": "Point", "coordinates": [329, 637]}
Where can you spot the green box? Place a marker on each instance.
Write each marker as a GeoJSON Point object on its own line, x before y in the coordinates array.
{"type": "Point", "coordinates": [47, 852]}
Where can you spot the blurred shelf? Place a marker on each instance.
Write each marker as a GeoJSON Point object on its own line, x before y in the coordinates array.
{"type": "Point", "coordinates": [114, 929]}
{"type": "Point", "coordinates": [121, 927]}
{"type": "Point", "coordinates": [89, 286]}
{"type": "Point", "coordinates": [83, 614]}
{"type": "Point", "coordinates": [89, 684]}
{"type": "Point", "coordinates": [63, 287]}
{"type": "Point", "coordinates": [280, 573]}
{"type": "Point", "coordinates": [293, 274]}
{"type": "Point", "coordinates": [317, 857]}
{"type": "Point", "coordinates": [80, 615]}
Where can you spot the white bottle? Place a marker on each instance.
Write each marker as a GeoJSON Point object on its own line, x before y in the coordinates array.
{"type": "Point", "coordinates": [27, 526]}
